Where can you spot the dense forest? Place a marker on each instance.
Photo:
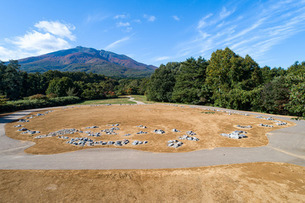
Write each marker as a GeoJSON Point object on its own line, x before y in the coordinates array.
{"type": "Point", "coordinates": [226, 80]}
{"type": "Point", "coordinates": [231, 81]}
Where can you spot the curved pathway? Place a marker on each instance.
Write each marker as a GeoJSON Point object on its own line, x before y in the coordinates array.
{"type": "Point", "coordinates": [285, 145]}
{"type": "Point", "coordinates": [133, 99]}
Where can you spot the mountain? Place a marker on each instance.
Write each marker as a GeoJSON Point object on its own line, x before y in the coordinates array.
{"type": "Point", "coordinates": [87, 60]}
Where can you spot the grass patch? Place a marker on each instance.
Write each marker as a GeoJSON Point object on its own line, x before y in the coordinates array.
{"type": "Point", "coordinates": [120, 100]}
{"type": "Point", "coordinates": [142, 98]}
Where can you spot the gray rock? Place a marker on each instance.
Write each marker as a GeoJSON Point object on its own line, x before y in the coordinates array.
{"type": "Point", "coordinates": [91, 127]}
{"type": "Point", "coordinates": [22, 129]}
{"type": "Point", "coordinates": [159, 131]}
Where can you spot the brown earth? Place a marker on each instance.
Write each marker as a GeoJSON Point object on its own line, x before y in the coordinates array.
{"type": "Point", "coordinates": [207, 124]}
{"type": "Point", "coordinates": [251, 182]}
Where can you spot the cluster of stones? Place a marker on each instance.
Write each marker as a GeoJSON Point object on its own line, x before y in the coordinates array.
{"type": "Point", "coordinates": [244, 126]}
{"type": "Point", "coordinates": [33, 116]}
{"type": "Point", "coordinates": [159, 131]}
{"type": "Point", "coordinates": [111, 131]}
{"type": "Point", "coordinates": [82, 141]}
{"type": "Point", "coordinates": [174, 143]}
{"type": "Point", "coordinates": [279, 123]}
{"type": "Point", "coordinates": [26, 131]}
{"type": "Point", "coordinates": [265, 125]}
{"type": "Point", "coordinates": [137, 142]}
{"type": "Point", "coordinates": [58, 133]}
{"type": "Point", "coordinates": [23, 121]}
{"type": "Point", "coordinates": [186, 137]}
{"type": "Point", "coordinates": [237, 134]}
{"type": "Point", "coordinates": [141, 132]}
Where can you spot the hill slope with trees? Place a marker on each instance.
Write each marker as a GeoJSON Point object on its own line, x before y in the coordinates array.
{"type": "Point", "coordinates": [88, 60]}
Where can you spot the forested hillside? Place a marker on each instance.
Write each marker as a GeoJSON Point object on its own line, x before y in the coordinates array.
{"type": "Point", "coordinates": [87, 60]}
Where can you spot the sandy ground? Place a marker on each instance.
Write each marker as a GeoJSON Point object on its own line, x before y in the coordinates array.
{"type": "Point", "coordinates": [253, 182]}
{"type": "Point", "coordinates": [208, 126]}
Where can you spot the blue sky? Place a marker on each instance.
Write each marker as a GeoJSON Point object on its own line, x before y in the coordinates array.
{"type": "Point", "coordinates": [156, 31]}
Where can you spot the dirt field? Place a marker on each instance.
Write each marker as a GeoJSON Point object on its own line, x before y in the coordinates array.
{"type": "Point", "coordinates": [207, 125]}
{"type": "Point", "coordinates": [253, 182]}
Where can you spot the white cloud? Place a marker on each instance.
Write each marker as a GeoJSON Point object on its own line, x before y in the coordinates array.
{"type": "Point", "coordinates": [176, 18]}
{"type": "Point", "coordinates": [50, 36]}
{"type": "Point", "coordinates": [149, 18]}
{"type": "Point", "coordinates": [137, 21]}
{"type": "Point", "coordinates": [225, 13]}
{"type": "Point", "coordinates": [95, 18]}
{"type": "Point", "coordinates": [255, 32]}
{"type": "Point", "coordinates": [202, 21]}
{"type": "Point", "coordinates": [121, 24]}
{"type": "Point", "coordinates": [116, 43]}
{"type": "Point", "coordinates": [122, 16]}
{"type": "Point", "coordinates": [162, 58]}
{"type": "Point", "coordinates": [56, 28]}
{"type": "Point", "coordinates": [40, 42]}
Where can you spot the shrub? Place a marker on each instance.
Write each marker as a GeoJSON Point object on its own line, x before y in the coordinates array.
{"type": "Point", "coordinates": [3, 99]}
{"type": "Point", "coordinates": [38, 96]}
{"type": "Point", "coordinates": [37, 103]}
{"type": "Point", "coordinates": [52, 95]}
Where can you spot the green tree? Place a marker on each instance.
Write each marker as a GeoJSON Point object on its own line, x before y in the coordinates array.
{"type": "Point", "coordinates": [275, 95]}
{"type": "Point", "coordinates": [12, 80]}
{"type": "Point", "coordinates": [190, 80]}
{"type": "Point", "coordinates": [296, 105]}
{"type": "Point", "coordinates": [60, 86]}
{"type": "Point", "coordinates": [162, 82]}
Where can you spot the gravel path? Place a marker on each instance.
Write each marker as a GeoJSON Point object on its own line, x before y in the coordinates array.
{"type": "Point", "coordinates": [285, 145]}
{"type": "Point", "coordinates": [133, 99]}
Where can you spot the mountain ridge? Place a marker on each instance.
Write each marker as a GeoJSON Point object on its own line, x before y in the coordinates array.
{"type": "Point", "coordinates": [87, 60]}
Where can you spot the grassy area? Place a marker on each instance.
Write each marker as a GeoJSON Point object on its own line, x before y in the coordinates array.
{"type": "Point", "coordinates": [142, 98]}
{"type": "Point", "coordinates": [120, 100]}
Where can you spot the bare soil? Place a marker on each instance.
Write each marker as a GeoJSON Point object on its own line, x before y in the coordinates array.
{"type": "Point", "coordinates": [252, 182]}
{"type": "Point", "coordinates": [207, 124]}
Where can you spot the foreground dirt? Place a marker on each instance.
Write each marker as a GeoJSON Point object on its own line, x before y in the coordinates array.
{"type": "Point", "coordinates": [208, 126]}
{"type": "Point", "coordinates": [253, 182]}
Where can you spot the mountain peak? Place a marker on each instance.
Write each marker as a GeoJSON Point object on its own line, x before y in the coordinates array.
{"type": "Point", "coordinates": [87, 60]}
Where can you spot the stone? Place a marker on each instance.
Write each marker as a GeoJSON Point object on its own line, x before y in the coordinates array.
{"type": "Point", "coordinates": [136, 142]}
{"type": "Point", "coordinates": [265, 125]}
{"type": "Point", "coordinates": [174, 143]}
{"type": "Point", "coordinates": [118, 143]}
{"type": "Point", "coordinates": [141, 132]}
{"type": "Point", "coordinates": [17, 126]}
{"type": "Point", "coordinates": [244, 126]}
{"type": "Point", "coordinates": [175, 130]}
{"type": "Point", "coordinates": [237, 134]}
{"type": "Point", "coordinates": [22, 129]}
{"type": "Point", "coordinates": [127, 135]}
{"type": "Point", "coordinates": [23, 121]}
{"type": "Point", "coordinates": [190, 133]}
{"type": "Point", "coordinates": [159, 131]}
{"type": "Point", "coordinates": [91, 127]}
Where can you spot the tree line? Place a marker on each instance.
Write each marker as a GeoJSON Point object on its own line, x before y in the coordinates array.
{"type": "Point", "coordinates": [231, 81]}
{"type": "Point", "coordinates": [226, 80]}
{"type": "Point", "coordinates": [16, 84]}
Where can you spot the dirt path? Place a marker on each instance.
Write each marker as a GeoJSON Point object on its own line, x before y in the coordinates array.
{"type": "Point", "coordinates": [133, 99]}
{"type": "Point", "coordinates": [285, 145]}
